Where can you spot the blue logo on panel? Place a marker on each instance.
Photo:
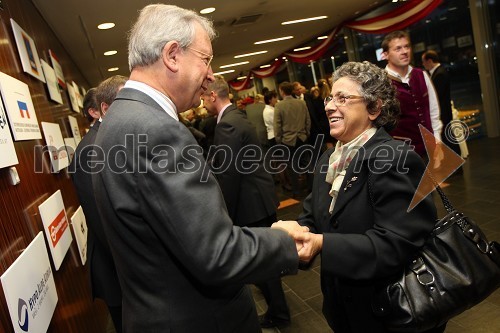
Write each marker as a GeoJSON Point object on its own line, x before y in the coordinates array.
{"type": "Point", "coordinates": [22, 315]}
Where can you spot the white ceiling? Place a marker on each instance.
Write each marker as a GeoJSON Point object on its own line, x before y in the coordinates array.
{"type": "Point", "coordinates": [75, 24]}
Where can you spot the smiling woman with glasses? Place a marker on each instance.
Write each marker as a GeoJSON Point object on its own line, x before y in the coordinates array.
{"type": "Point", "coordinates": [357, 211]}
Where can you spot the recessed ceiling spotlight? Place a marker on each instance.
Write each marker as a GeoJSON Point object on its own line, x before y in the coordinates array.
{"type": "Point", "coordinates": [207, 10]}
{"type": "Point", "coordinates": [110, 53]}
{"type": "Point", "coordinates": [305, 20]}
{"type": "Point", "coordinates": [105, 26]}
{"type": "Point", "coordinates": [273, 40]}
{"type": "Point", "coordinates": [249, 54]}
{"type": "Point", "coordinates": [113, 69]}
{"type": "Point", "coordinates": [235, 64]}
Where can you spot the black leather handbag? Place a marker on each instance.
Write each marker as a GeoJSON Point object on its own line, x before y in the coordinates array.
{"type": "Point", "coordinates": [456, 269]}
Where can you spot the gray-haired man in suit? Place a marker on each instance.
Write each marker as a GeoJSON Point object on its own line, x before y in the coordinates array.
{"type": "Point", "coordinates": [181, 263]}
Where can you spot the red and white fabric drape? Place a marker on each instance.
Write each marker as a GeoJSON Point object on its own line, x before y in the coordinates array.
{"type": "Point", "coordinates": [400, 18]}
{"type": "Point", "coordinates": [407, 14]}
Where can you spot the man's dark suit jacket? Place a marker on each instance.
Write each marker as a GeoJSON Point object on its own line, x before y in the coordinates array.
{"type": "Point", "coordinates": [370, 235]}
{"type": "Point", "coordinates": [103, 277]}
{"type": "Point", "coordinates": [441, 81]}
{"type": "Point", "coordinates": [249, 195]}
{"type": "Point", "coordinates": [181, 262]}
{"type": "Point", "coordinates": [254, 113]}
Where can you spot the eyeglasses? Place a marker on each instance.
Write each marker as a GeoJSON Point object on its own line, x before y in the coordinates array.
{"type": "Point", "coordinates": [340, 100]}
{"type": "Point", "coordinates": [206, 60]}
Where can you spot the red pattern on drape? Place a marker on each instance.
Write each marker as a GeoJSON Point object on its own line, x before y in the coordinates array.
{"type": "Point", "coordinates": [245, 84]}
{"type": "Point", "coordinates": [270, 71]}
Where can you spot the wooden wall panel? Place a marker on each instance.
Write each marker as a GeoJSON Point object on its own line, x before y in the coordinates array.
{"type": "Point", "coordinates": [19, 218]}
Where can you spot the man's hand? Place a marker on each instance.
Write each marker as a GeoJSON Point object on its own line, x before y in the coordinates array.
{"type": "Point", "coordinates": [308, 244]}
{"type": "Point", "coordinates": [294, 229]}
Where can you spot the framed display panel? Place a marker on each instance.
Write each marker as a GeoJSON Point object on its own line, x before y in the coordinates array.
{"type": "Point", "coordinates": [27, 52]}
{"type": "Point", "coordinates": [52, 84]}
{"type": "Point", "coordinates": [56, 226]}
{"type": "Point", "coordinates": [19, 106]}
{"type": "Point", "coordinates": [55, 145]}
{"type": "Point", "coordinates": [75, 129]}
{"type": "Point", "coordinates": [30, 290]}
{"type": "Point", "coordinates": [8, 156]}
{"type": "Point", "coordinates": [57, 69]}
{"type": "Point", "coordinates": [73, 97]}
{"type": "Point", "coordinates": [80, 230]}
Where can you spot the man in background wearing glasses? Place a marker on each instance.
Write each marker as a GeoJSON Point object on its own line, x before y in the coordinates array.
{"type": "Point", "coordinates": [416, 94]}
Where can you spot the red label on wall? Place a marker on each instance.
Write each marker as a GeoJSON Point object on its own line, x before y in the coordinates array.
{"type": "Point", "coordinates": [57, 227]}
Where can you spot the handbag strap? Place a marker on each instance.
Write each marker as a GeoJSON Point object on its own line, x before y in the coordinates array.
{"type": "Point", "coordinates": [446, 202]}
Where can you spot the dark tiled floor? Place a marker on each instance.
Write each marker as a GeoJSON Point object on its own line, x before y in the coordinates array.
{"type": "Point", "coordinates": [476, 192]}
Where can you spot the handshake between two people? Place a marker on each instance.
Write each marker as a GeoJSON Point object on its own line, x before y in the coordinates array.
{"type": "Point", "coordinates": [308, 244]}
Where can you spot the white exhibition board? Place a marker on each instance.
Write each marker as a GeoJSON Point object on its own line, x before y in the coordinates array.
{"type": "Point", "coordinates": [55, 224]}
{"type": "Point", "coordinates": [55, 144]}
{"type": "Point", "coordinates": [52, 84]}
{"type": "Point", "coordinates": [70, 144]}
{"type": "Point", "coordinates": [27, 52]}
{"type": "Point", "coordinates": [29, 288]}
{"type": "Point", "coordinates": [19, 106]}
{"type": "Point", "coordinates": [72, 97]}
{"type": "Point", "coordinates": [80, 230]}
{"type": "Point", "coordinates": [8, 156]}
{"type": "Point", "coordinates": [78, 94]}
{"type": "Point", "coordinates": [57, 68]}
{"type": "Point", "coordinates": [75, 129]}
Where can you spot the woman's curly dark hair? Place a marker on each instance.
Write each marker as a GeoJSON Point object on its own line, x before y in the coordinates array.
{"type": "Point", "coordinates": [375, 86]}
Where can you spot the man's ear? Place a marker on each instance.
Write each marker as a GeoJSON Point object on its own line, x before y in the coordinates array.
{"type": "Point", "coordinates": [94, 113]}
{"type": "Point", "coordinates": [104, 108]}
{"type": "Point", "coordinates": [170, 55]}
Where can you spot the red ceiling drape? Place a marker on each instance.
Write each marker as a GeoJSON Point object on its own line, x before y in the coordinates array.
{"type": "Point", "coordinates": [397, 19]}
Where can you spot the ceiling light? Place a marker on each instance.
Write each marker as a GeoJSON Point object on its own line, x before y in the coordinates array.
{"type": "Point", "coordinates": [305, 20]}
{"type": "Point", "coordinates": [302, 48]}
{"type": "Point", "coordinates": [104, 26]}
{"type": "Point", "coordinates": [224, 72]}
{"type": "Point", "coordinates": [273, 40]}
{"type": "Point", "coordinates": [249, 54]}
{"type": "Point", "coordinates": [322, 37]}
{"type": "Point", "coordinates": [241, 78]}
{"type": "Point", "coordinates": [235, 64]}
{"type": "Point", "coordinates": [110, 53]}
{"type": "Point", "coordinates": [207, 10]}
{"type": "Point", "coordinates": [265, 66]}
{"type": "Point", "coordinates": [113, 69]}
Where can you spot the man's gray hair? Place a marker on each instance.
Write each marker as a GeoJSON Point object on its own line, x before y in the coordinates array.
{"type": "Point", "coordinates": [159, 24]}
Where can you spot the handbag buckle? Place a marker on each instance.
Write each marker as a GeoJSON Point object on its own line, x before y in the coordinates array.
{"type": "Point", "coordinates": [425, 278]}
{"type": "Point", "coordinates": [483, 246]}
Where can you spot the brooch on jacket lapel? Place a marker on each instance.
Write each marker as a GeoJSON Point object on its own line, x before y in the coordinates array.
{"type": "Point", "coordinates": [349, 183]}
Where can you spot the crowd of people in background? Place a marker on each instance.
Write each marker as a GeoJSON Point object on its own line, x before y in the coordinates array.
{"type": "Point", "coordinates": [188, 289]}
